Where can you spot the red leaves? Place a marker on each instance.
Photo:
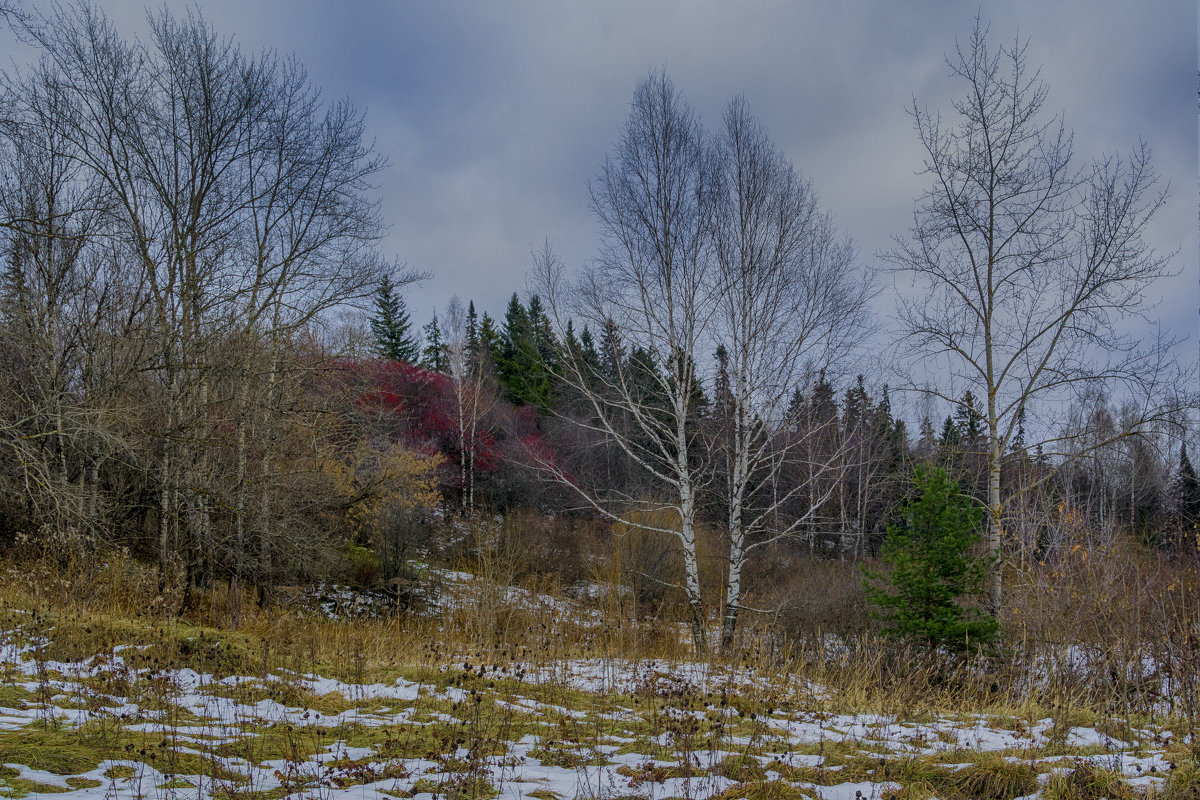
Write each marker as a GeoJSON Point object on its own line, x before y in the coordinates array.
{"type": "Point", "coordinates": [420, 407]}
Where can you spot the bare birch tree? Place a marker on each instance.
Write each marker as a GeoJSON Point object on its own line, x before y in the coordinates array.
{"type": "Point", "coordinates": [472, 399]}
{"type": "Point", "coordinates": [1029, 261]}
{"type": "Point", "coordinates": [61, 297]}
{"type": "Point", "coordinates": [653, 197]}
{"type": "Point", "coordinates": [789, 301]}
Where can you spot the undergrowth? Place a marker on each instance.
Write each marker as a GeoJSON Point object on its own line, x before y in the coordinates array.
{"type": "Point", "coordinates": [500, 666]}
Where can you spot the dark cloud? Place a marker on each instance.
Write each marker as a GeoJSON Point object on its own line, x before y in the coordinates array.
{"type": "Point", "coordinates": [495, 115]}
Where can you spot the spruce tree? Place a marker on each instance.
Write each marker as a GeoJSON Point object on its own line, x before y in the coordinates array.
{"type": "Point", "coordinates": [391, 326]}
{"type": "Point", "coordinates": [433, 357]}
{"type": "Point", "coordinates": [929, 551]}
{"type": "Point", "coordinates": [1018, 441]}
{"type": "Point", "coordinates": [797, 407]}
{"type": "Point", "coordinates": [587, 347]}
{"type": "Point", "coordinates": [970, 422]}
{"type": "Point", "coordinates": [527, 343]}
{"type": "Point", "coordinates": [491, 341]}
{"type": "Point", "coordinates": [950, 441]}
{"type": "Point", "coordinates": [823, 404]}
{"type": "Point", "coordinates": [473, 346]}
{"type": "Point", "coordinates": [1186, 493]}
{"type": "Point", "coordinates": [541, 389]}
{"type": "Point", "coordinates": [723, 391]}
{"type": "Point", "coordinates": [513, 346]}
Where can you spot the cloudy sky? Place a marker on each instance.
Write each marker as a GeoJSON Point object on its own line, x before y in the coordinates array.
{"type": "Point", "coordinates": [495, 115]}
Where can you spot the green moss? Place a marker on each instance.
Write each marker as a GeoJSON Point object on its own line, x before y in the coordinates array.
{"type": "Point", "coordinates": [82, 783]}
{"type": "Point", "coordinates": [14, 696]}
{"type": "Point", "coordinates": [62, 751]}
{"type": "Point", "coordinates": [21, 787]}
{"type": "Point", "coordinates": [164, 645]}
{"type": "Point", "coordinates": [176, 783]}
{"type": "Point", "coordinates": [67, 751]}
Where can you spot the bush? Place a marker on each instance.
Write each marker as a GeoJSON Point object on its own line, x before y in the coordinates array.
{"type": "Point", "coordinates": [933, 568]}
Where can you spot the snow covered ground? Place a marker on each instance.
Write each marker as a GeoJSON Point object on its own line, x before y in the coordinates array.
{"type": "Point", "coordinates": [103, 728]}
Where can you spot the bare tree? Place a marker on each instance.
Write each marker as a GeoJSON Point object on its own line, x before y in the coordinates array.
{"type": "Point", "coordinates": [1029, 261]}
{"type": "Point", "coordinates": [61, 298]}
{"type": "Point", "coordinates": [653, 278]}
{"type": "Point", "coordinates": [236, 203]}
{"type": "Point", "coordinates": [789, 301]}
{"type": "Point", "coordinates": [473, 398]}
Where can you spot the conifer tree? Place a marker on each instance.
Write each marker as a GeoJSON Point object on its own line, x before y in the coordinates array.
{"type": "Point", "coordinates": [391, 326]}
{"type": "Point", "coordinates": [1186, 493]}
{"type": "Point", "coordinates": [1018, 442]}
{"type": "Point", "coordinates": [473, 352]}
{"type": "Point", "coordinates": [723, 394]}
{"type": "Point", "coordinates": [433, 357]}
{"type": "Point", "coordinates": [929, 552]}
{"type": "Point", "coordinates": [514, 340]}
{"type": "Point", "coordinates": [522, 366]}
{"type": "Point", "coordinates": [490, 339]}
{"type": "Point", "coordinates": [796, 409]}
{"type": "Point", "coordinates": [951, 439]}
{"type": "Point", "coordinates": [587, 349]}
{"type": "Point", "coordinates": [970, 421]}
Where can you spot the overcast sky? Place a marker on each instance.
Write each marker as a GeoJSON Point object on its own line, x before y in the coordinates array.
{"type": "Point", "coordinates": [495, 115]}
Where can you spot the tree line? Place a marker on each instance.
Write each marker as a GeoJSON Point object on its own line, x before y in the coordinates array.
{"type": "Point", "coordinates": [183, 223]}
{"type": "Point", "coordinates": [843, 461]}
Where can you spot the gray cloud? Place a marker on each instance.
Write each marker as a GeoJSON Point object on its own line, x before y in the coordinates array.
{"type": "Point", "coordinates": [495, 115]}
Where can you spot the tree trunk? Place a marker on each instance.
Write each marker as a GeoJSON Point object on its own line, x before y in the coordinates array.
{"type": "Point", "coordinates": [996, 568]}
{"type": "Point", "coordinates": [733, 591]}
{"type": "Point", "coordinates": [692, 570]}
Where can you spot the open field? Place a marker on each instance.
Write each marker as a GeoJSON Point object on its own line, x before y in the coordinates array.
{"type": "Point", "coordinates": [500, 691]}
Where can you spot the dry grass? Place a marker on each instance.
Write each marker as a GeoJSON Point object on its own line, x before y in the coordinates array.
{"type": "Point", "coordinates": [1055, 664]}
{"type": "Point", "coordinates": [1113, 634]}
{"type": "Point", "coordinates": [1096, 638]}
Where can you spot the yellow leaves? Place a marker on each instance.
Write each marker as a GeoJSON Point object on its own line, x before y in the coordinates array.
{"type": "Point", "coordinates": [368, 482]}
{"type": "Point", "coordinates": [1083, 553]}
{"type": "Point", "coordinates": [407, 479]}
{"type": "Point", "coordinates": [388, 481]}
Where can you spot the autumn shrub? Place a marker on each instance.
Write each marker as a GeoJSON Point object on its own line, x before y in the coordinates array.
{"type": "Point", "coordinates": [810, 597]}
{"type": "Point", "coordinates": [652, 563]}
{"type": "Point", "coordinates": [546, 546]}
{"type": "Point", "coordinates": [1117, 626]}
